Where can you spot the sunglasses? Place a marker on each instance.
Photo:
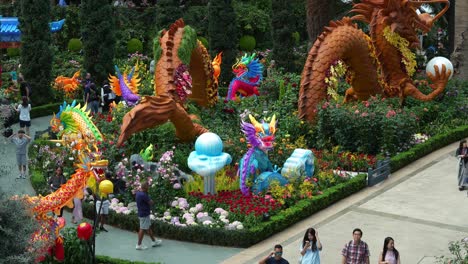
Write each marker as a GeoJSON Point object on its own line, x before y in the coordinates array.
{"type": "Point", "coordinates": [279, 253]}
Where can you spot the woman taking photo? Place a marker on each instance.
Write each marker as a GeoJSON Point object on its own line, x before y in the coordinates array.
{"type": "Point", "coordinates": [389, 255]}
{"type": "Point", "coordinates": [310, 247]}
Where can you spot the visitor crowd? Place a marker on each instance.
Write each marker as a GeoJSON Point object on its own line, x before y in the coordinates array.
{"type": "Point", "coordinates": [355, 251]}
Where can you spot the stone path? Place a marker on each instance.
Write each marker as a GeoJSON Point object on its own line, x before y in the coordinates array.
{"type": "Point", "coordinates": [419, 206]}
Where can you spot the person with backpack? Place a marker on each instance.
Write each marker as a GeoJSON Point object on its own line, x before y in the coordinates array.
{"type": "Point", "coordinates": [92, 98]}
{"type": "Point", "coordinates": [107, 95]}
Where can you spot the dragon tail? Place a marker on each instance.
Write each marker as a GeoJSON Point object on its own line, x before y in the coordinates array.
{"type": "Point", "coordinates": [341, 40]}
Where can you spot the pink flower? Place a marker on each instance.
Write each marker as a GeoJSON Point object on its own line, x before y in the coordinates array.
{"type": "Point", "coordinates": [390, 113]}
{"type": "Point", "coordinates": [177, 186]}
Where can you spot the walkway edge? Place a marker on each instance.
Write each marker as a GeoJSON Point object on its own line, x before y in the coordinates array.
{"type": "Point", "coordinates": [259, 250]}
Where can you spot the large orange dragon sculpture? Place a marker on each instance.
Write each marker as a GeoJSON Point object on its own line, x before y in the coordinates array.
{"type": "Point", "coordinates": [183, 70]}
{"type": "Point", "coordinates": [376, 65]}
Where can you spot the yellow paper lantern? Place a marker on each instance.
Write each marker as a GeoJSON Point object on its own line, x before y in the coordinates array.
{"type": "Point", "coordinates": [106, 187]}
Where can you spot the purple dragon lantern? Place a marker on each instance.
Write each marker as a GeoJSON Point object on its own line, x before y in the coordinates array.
{"type": "Point", "coordinates": [126, 85]}
{"type": "Point", "coordinates": [255, 163]}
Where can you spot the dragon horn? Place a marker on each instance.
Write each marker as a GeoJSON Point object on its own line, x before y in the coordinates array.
{"type": "Point", "coordinates": [257, 125]}
{"type": "Point", "coordinates": [117, 70]}
{"type": "Point", "coordinates": [273, 125]}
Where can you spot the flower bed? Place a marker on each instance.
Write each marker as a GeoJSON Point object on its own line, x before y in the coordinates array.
{"type": "Point", "coordinates": [240, 237]}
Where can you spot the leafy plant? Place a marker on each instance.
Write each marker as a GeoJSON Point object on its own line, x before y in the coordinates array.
{"type": "Point", "coordinates": [17, 227]}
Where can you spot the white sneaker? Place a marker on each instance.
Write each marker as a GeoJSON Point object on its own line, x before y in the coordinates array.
{"type": "Point", "coordinates": [156, 243]}
{"type": "Point", "coordinates": [141, 247]}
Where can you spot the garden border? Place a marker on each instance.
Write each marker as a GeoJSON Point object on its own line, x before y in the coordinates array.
{"type": "Point", "coordinates": [285, 218]}
{"type": "Point", "coordinates": [246, 237]}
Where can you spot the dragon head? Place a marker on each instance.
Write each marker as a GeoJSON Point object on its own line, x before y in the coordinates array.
{"type": "Point", "coordinates": [261, 135]}
{"type": "Point", "coordinates": [248, 67]}
{"type": "Point", "coordinates": [399, 15]}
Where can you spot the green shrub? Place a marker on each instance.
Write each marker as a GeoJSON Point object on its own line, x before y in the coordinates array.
{"type": "Point", "coordinates": [432, 144]}
{"type": "Point", "coordinates": [13, 52]}
{"type": "Point", "coordinates": [246, 237]}
{"type": "Point", "coordinates": [373, 126]}
{"type": "Point", "coordinates": [39, 182]}
{"type": "Point", "coordinates": [134, 45]}
{"type": "Point", "coordinates": [74, 45]}
{"type": "Point", "coordinates": [203, 40]}
{"type": "Point", "coordinates": [247, 43]}
{"type": "Point", "coordinates": [17, 227]}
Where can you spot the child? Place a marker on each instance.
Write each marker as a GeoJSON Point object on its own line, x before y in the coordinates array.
{"type": "Point", "coordinates": [24, 118]}
{"type": "Point", "coordinates": [21, 141]}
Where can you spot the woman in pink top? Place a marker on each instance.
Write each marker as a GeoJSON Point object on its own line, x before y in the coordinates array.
{"type": "Point", "coordinates": [390, 254]}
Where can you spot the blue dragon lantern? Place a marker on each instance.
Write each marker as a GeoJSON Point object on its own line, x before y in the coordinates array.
{"type": "Point", "coordinates": [256, 166]}
{"type": "Point", "coordinates": [248, 71]}
{"type": "Point", "coordinates": [255, 163]}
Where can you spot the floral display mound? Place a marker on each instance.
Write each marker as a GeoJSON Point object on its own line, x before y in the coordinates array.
{"type": "Point", "coordinates": [346, 137]}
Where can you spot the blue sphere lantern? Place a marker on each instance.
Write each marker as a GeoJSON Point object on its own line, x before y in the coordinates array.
{"type": "Point", "coordinates": [208, 158]}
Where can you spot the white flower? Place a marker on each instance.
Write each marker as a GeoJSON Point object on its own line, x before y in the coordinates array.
{"type": "Point", "coordinates": [71, 158]}
{"type": "Point", "coordinates": [207, 222]}
{"type": "Point", "coordinates": [167, 217]}
{"type": "Point", "coordinates": [57, 144]}
{"type": "Point", "coordinates": [152, 217]}
{"type": "Point", "coordinates": [240, 227]}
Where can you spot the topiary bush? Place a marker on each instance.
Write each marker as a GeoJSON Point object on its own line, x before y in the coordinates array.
{"type": "Point", "coordinates": [247, 43]}
{"type": "Point", "coordinates": [13, 52]}
{"type": "Point", "coordinates": [74, 45]}
{"type": "Point", "coordinates": [134, 45]}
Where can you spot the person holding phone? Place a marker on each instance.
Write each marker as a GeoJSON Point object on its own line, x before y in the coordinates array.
{"type": "Point", "coordinates": [310, 247]}
{"type": "Point", "coordinates": [274, 257]}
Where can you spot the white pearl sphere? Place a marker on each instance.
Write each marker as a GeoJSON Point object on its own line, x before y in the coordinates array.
{"type": "Point", "coordinates": [439, 61]}
{"type": "Point", "coordinates": [209, 144]}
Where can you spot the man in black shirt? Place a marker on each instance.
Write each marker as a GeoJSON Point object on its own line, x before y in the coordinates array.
{"type": "Point", "coordinates": [274, 257]}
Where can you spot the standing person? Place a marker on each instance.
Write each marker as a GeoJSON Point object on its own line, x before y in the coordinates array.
{"type": "Point", "coordinates": [25, 88]}
{"type": "Point", "coordinates": [310, 247]}
{"type": "Point", "coordinates": [107, 96]}
{"type": "Point", "coordinates": [105, 206]}
{"type": "Point", "coordinates": [57, 180]}
{"type": "Point", "coordinates": [92, 98]}
{"type": "Point", "coordinates": [24, 117]}
{"type": "Point", "coordinates": [462, 154]}
{"type": "Point", "coordinates": [355, 251]}
{"type": "Point", "coordinates": [21, 141]}
{"type": "Point", "coordinates": [390, 254]}
{"type": "Point", "coordinates": [144, 204]}
{"type": "Point", "coordinates": [274, 257]}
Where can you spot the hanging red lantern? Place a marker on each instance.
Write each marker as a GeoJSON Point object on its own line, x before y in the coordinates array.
{"type": "Point", "coordinates": [84, 231]}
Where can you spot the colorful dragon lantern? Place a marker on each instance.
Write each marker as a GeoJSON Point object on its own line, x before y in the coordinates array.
{"type": "Point", "coordinates": [73, 121]}
{"type": "Point", "coordinates": [126, 85]}
{"type": "Point", "coordinates": [255, 162]}
{"type": "Point", "coordinates": [183, 70]}
{"type": "Point", "coordinates": [380, 63]}
{"type": "Point", "coordinates": [67, 84]}
{"type": "Point", "coordinates": [248, 71]}
{"type": "Point", "coordinates": [88, 173]}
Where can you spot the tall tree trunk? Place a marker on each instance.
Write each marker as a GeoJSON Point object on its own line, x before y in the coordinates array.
{"type": "Point", "coordinates": [460, 54]}
{"type": "Point", "coordinates": [318, 15]}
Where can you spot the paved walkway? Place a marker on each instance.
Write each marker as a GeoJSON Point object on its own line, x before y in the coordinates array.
{"type": "Point", "coordinates": [419, 206]}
